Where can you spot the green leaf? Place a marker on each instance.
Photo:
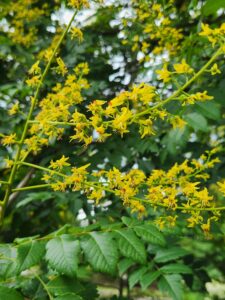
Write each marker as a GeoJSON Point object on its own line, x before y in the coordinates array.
{"type": "Point", "coordinates": [209, 109]}
{"type": "Point", "coordinates": [211, 6]}
{"type": "Point", "coordinates": [164, 255]}
{"type": "Point", "coordinates": [171, 284]}
{"type": "Point", "coordinates": [176, 268]}
{"type": "Point", "coordinates": [100, 251]}
{"type": "Point", "coordinates": [8, 265]}
{"type": "Point", "coordinates": [150, 233]}
{"type": "Point", "coordinates": [148, 278]}
{"type": "Point", "coordinates": [130, 245]}
{"type": "Point", "coordinates": [9, 294]}
{"type": "Point", "coordinates": [30, 254]}
{"type": "Point", "coordinates": [124, 265]}
{"type": "Point", "coordinates": [38, 196]}
{"type": "Point", "coordinates": [69, 296]}
{"type": "Point", "coordinates": [130, 222]}
{"type": "Point", "coordinates": [62, 254]}
{"type": "Point", "coordinates": [196, 121]}
{"type": "Point", "coordinates": [136, 275]}
{"type": "Point", "coordinates": [64, 285]}
{"type": "Point", "coordinates": [175, 140]}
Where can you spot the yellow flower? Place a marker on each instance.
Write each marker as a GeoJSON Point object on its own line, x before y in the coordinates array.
{"type": "Point", "coordinates": [177, 122]}
{"type": "Point", "coordinates": [195, 219]}
{"type": "Point", "coordinates": [183, 67]}
{"type": "Point", "coordinates": [60, 163]}
{"type": "Point", "coordinates": [206, 227]}
{"type": "Point", "coordinates": [120, 121]}
{"type": "Point", "coordinates": [8, 162]}
{"type": "Point", "coordinates": [221, 186]}
{"type": "Point", "coordinates": [76, 33]}
{"type": "Point", "coordinates": [215, 70]}
{"type": "Point", "coordinates": [164, 74]}
{"type": "Point", "coordinates": [14, 109]}
{"type": "Point", "coordinates": [34, 81]}
{"type": "Point", "coordinates": [78, 3]}
{"type": "Point", "coordinates": [206, 30]}
{"type": "Point", "coordinates": [35, 69]}
{"type": "Point", "coordinates": [61, 69]}
{"type": "Point", "coordinates": [9, 139]}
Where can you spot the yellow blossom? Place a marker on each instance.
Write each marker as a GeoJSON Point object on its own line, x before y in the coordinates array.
{"type": "Point", "coordinates": [182, 68]}
{"type": "Point", "coordinates": [61, 69]}
{"type": "Point", "coordinates": [60, 163]}
{"type": "Point", "coordinates": [164, 74]}
{"type": "Point", "coordinates": [76, 33]}
{"type": "Point", "coordinates": [78, 4]}
{"type": "Point", "coordinates": [14, 109]}
{"type": "Point", "coordinates": [215, 70]}
{"type": "Point", "coordinates": [34, 81]}
{"type": "Point", "coordinates": [35, 69]}
{"type": "Point", "coordinates": [9, 139]}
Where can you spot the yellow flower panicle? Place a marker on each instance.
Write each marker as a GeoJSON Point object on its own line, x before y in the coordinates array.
{"type": "Point", "coordinates": [157, 29]}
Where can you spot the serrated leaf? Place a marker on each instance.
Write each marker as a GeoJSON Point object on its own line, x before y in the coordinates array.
{"type": "Point", "coordinates": [150, 233]}
{"type": "Point", "coordinates": [135, 276]}
{"type": "Point", "coordinates": [176, 268]}
{"type": "Point", "coordinates": [64, 285]}
{"type": "Point", "coordinates": [130, 245]}
{"type": "Point", "coordinates": [62, 254]}
{"type": "Point", "coordinates": [101, 252]}
{"type": "Point", "coordinates": [124, 265]}
{"type": "Point", "coordinates": [164, 255]}
{"type": "Point", "coordinates": [148, 278]}
{"type": "Point", "coordinates": [172, 285]}
{"type": "Point", "coordinates": [9, 294]}
{"type": "Point", "coordinates": [30, 254]}
{"type": "Point", "coordinates": [197, 121]}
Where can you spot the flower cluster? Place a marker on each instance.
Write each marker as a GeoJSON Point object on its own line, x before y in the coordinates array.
{"type": "Point", "coordinates": [152, 25]}
{"type": "Point", "coordinates": [24, 12]}
{"type": "Point", "coordinates": [179, 188]}
{"type": "Point", "coordinates": [215, 36]}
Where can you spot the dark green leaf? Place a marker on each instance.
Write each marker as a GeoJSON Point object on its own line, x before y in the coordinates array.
{"type": "Point", "coordinates": [148, 278]}
{"type": "Point", "coordinates": [172, 285]}
{"type": "Point", "coordinates": [136, 275]}
{"type": "Point", "coordinates": [164, 255]}
{"type": "Point", "coordinates": [9, 294]}
{"type": "Point", "coordinates": [176, 268]}
{"type": "Point", "coordinates": [100, 251]}
{"type": "Point", "coordinates": [130, 245]}
{"type": "Point", "coordinates": [62, 254]}
{"type": "Point", "coordinates": [150, 233]}
{"type": "Point", "coordinates": [30, 254]}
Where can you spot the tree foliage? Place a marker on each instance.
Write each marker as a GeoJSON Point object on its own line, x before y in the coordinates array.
{"type": "Point", "coordinates": [112, 147]}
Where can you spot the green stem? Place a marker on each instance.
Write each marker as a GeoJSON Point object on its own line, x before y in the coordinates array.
{"type": "Point", "coordinates": [25, 129]}
{"type": "Point", "coordinates": [31, 187]}
{"type": "Point", "coordinates": [41, 168]}
{"type": "Point", "coordinates": [3, 182]}
{"type": "Point", "coordinates": [44, 286]}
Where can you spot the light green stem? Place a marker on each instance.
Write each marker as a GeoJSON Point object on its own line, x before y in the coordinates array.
{"type": "Point", "coordinates": [31, 187]}
{"type": "Point", "coordinates": [44, 286]}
